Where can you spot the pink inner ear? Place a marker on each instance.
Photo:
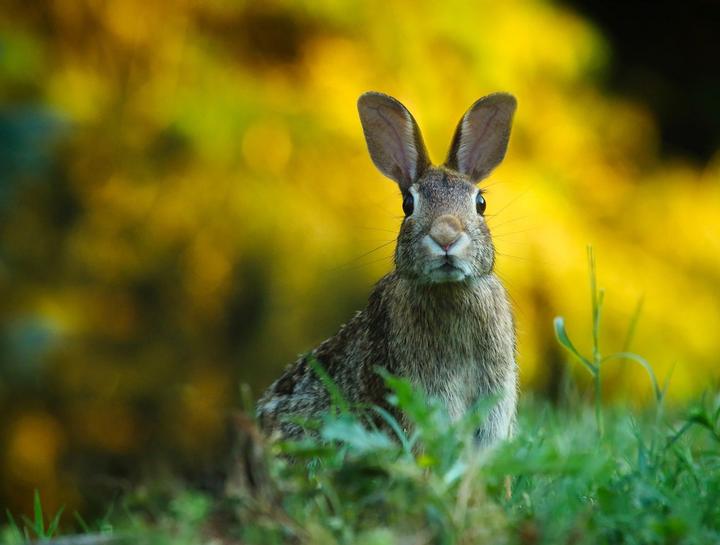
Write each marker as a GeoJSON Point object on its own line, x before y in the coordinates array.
{"type": "Point", "coordinates": [404, 155]}
{"type": "Point", "coordinates": [392, 138]}
{"type": "Point", "coordinates": [484, 134]}
{"type": "Point", "coordinates": [476, 126]}
{"type": "Point", "coordinates": [398, 138]}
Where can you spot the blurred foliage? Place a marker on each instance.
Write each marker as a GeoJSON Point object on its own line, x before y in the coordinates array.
{"type": "Point", "coordinates": [186, 203]}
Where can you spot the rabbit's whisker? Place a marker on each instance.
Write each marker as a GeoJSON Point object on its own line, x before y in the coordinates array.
{"type": "Point", "coordinates": [512, 220]}
{"type": "Point", "coordinates": [358, 258]}
{"type": "Point", "coordinates": [500, 235]}
{"type": "Point", "coordinates": [532, 258]}
{"type": "Point", "coordinates": [512, 201]}
{"type": "Point", "coordinates": [502, 254]}
{"type": "Point", "coordinates": [491, 184]}
{"type": "Point", "coordinates": [393, 231]}
{"type": "Point", "coordinates": [351, 267]}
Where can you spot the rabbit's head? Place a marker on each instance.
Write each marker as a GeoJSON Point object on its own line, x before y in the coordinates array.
{"type": "Point", "coordinates": [444, 236]}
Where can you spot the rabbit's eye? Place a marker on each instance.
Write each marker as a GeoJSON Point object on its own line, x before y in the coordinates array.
{"type": "Point", "coordinates": [480, 204]}
{"type": "Point", "coordinates": [408, 204]}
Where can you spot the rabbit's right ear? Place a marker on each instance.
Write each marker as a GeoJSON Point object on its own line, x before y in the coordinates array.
{"type": "Point", "coordinates": [393, 138]}
{"type": "Point", "coordinates": [482, 136]}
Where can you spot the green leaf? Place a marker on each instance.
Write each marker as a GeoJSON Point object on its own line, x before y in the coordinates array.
{"type": "Point", "coordinates": [54, 523]}
{"type": "Point", "coordinates": [348, 430]}
{"type": "Point", "coordinates": [456, 471]}
{"type": "Point", "coordinates": [39, 521]}
{"type": "Point", "coordinates": [306, 448]}
{"type": "Point", "coordinates": [336, 396]}
{"type": "Point", "coordinates": [716, 416]}
{"type": "Point", "coordinates": [564, 340]}
{"type": "Point", "coordinates": [394, 425]}
{"type": "Point", "coordinates": [12, 523]}
{"type": "Point", "coordinates": [632, 327]}
{"type": "Point", "coordinates": [657, 391]}
{"type": "Point", "coordinates": [700, 417]}
{"type": "Point", "coordinates": [81, 522]}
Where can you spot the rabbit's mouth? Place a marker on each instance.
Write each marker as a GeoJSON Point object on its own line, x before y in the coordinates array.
{"type": "Point", "coordinates": [449, 269]}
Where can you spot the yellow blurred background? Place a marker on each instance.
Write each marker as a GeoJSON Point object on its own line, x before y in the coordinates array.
{"type": "Point", "coordinates": [187, 203]}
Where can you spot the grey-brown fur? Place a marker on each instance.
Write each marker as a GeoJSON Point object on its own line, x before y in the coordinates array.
{"type": "Point", "coordinates": [441, 319]}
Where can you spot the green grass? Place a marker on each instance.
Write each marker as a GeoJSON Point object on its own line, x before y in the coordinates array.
{"type": "Point", "coordinates": [581, 473]}
{"type": "Point", "coordinates": [642, 481]}
{"type": "Point", "coordinates": [29, 529]}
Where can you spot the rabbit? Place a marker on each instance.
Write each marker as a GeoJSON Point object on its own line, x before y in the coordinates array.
{"type": "Point", "coordinates": [441, 318]}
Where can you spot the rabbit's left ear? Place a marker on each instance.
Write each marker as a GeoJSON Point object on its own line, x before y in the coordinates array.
{"type": "Point", "coordinates": [482, 136]}
{"type": "Point", "coordinates": [393, 138]}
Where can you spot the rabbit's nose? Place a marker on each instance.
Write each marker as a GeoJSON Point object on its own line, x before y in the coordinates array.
{"type": "Point", "coordinates": [445, 231]}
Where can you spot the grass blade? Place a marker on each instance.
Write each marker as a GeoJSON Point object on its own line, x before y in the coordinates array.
{"type": "Point", "coordinates": [564, 340]}
{"type": "Point", "coordinates": [395, 426]}
{"type": "Point", "coordinates": [39, 525]}
{"type": "Point", "coordinates": [81, 522]}
{"type": "Point", "coordinates": [632, 327]}
{"type": "Point", "coordinates": [14, 528]}
{"type": "Point", "coordinates": [336, 395]}
{"type": "Point", "coordinates": [54, 523]}
{"type": "Point", "coordinates": [642, 362]}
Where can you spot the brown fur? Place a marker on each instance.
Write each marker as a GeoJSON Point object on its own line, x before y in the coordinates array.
{"type": "Point", "coordinates": [441, 319]}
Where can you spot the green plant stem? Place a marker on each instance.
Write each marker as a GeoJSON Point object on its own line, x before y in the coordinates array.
{"type": "Point", "coordinates": [598, 404]}
{"type": "Point", "coordinates": [596, 300]}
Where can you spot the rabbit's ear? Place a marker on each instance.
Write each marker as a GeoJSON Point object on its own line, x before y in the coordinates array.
{"type": "Point", "coordinates": [393, 138]}
{"type": "Point", "coordinates": [481, 138]}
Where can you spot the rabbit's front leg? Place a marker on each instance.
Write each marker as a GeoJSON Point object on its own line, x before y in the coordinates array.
{"type": "Point", "coordinates": [500, 421]}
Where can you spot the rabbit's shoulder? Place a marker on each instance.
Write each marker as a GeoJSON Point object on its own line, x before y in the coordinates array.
{"type": "Point", "coordinates": [349, 355]}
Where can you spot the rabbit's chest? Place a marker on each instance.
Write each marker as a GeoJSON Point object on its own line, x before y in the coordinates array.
{"type": "Point", "coordinates": [457, 352]}
{"type": "Point", "coordinates": [456, 383]}
{"type": "Point", "coordinates": [450, 365]}
{"type": "Point", "coordinates": [452, 370]}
